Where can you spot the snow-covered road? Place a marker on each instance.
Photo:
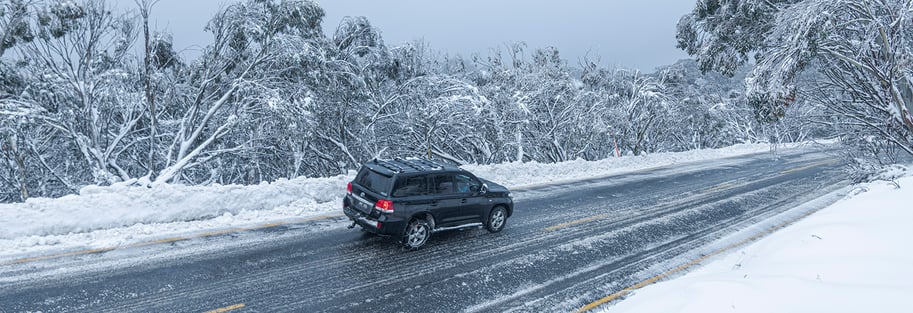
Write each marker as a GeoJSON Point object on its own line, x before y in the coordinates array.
{"type": "Point", "coordinates": [566, 245]}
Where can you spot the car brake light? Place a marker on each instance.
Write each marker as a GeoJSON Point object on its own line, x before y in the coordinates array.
{"type": "Point", "coordinates": [385, 206]}
{"type": "Point", "coordinates": [349, 188]}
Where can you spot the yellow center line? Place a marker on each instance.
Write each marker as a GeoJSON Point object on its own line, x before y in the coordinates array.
{"type": "Point", "coordinates": [57, 255]}
{"type": "Point", "coordinates": [801, 168]}
{"type": "Point", "coordinates": [228, 308]}
{"type": "Point", "coordinates": [168, 240]}
{"type": "Point", "coordinates": [163, 240]}
{"type": "Point", "coordinates": [722, 187]}
{"type": "Point", "coordinates": [682, 267]}
{"type": "Point", "coordinates": [575, 222]}
{"type": "Point", "coordinates": [604, 215]}
{"type": "Point", "coordinates": [220, 232]}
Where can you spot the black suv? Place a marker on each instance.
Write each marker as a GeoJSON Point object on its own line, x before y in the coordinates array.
{"type": "Point", "coordinates": [411, 198]}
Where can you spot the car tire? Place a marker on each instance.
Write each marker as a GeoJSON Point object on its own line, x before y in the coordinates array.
{"type": "Point", "coordinates": [417, 234]}
{"type": "Point", "coordinates": [497, 219]}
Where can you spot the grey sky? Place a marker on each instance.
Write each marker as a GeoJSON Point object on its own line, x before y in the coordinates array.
{"type": "Point", "coordinates": [629, 33]}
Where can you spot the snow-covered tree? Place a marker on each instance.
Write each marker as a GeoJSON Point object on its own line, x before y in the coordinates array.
{"type": "Point", "coordinates": [436, 119]}
{"type": "Point", "coordinates": [709, 109]}
{"type": "Point", "coordinates": [643, 101]}
{"type": "Point", "coordinates": [537, 108]}
{"type": "Point", "coordinates": [863, 48]}
{"type": "Point", "coordinates": [81, 75]}
{"type": "Point", "coordinates": [238, 77]}
{"type": "Point", "coordinates": [274, 97]}
{"type": "Point", "coordinates": [504, 81]}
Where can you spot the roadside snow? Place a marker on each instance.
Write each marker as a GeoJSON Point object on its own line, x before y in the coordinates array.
{"type": "Point", "coordinates": [853, 256]}
{"type": "Point", "coordinates": [530, 174]}
{"type": "Point", "coordinates": [116, 206]}
{"type": "Point", "coordinates": [107, 217]}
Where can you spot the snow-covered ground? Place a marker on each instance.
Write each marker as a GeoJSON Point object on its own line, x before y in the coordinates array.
{"type": "Point", "coordinates": [853, 256]}
{"type": "Point", "coordinates": [113, 216]}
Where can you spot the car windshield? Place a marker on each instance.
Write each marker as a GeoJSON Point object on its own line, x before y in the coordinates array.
{"type": "Point", "coordinates": [374, 181]}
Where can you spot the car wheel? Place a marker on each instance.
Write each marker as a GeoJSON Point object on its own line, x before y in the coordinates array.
{"type": "Point", "coordinates": [497, 219]}
{"type": "Point", "coordinates": [417, 234]}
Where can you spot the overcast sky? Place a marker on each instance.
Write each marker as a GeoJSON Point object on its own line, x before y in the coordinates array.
{"type": "Point", "coordinates": [628, 33]}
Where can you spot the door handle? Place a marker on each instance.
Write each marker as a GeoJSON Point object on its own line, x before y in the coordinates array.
{"type": "Point", "coordinates": [433, 203]}
{"type": "Point", "coordinates": [463, 201]}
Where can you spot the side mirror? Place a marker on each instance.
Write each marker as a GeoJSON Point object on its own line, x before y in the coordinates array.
{"type": "Point", "coordinates": [484, 189]}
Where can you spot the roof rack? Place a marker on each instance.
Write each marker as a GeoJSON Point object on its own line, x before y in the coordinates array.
{"type": "Point", "coordinates": [430, 163]}
{"type": "Point", "coordinates": [400, 165]}
{"type": "Point", "coordinates": [388, 165]}
{"type": "Point", "coordinates": [409, 164]}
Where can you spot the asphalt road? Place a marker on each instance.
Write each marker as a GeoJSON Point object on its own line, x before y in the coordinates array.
{"type": "Point", "coordinates": [564, 247]}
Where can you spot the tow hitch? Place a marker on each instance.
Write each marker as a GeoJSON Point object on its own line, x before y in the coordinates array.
{"type": "Point", "coordinates": [353, 225]}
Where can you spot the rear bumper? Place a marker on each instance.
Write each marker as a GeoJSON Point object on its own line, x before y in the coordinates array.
{"type": "Point", "coordinates": [360, 219]}
{"type": "Point", "coordinates": [384, 224]}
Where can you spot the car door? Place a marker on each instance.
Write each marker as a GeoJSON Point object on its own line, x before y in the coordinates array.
{"type": "Point", "coordinates": [473, 203]}
{"type": "Point", "coordinates": [444, 201]}
{"type": "Point", "coordinates": [453, 207]}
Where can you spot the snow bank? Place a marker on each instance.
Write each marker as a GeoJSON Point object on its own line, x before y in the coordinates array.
{"type": "Point", "coordinates": [99, 217]}
{"type": "Point", "coordinates": [519, 175]}
{"type": "Point", "coordinates": [120, 205]}
{"type": "Point", "coordinates": [853, 256]}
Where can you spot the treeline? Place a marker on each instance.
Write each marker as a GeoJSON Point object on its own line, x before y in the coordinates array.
{"type": "Point", "coordinates": [91, 96]}
{"type": "Point", "coordinates": [848, 62]}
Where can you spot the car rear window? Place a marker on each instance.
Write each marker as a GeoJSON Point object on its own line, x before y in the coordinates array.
{"type": "Point", "coordinates": [374, 181]}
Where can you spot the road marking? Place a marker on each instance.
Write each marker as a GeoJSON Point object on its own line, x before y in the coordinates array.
{"type": "Point", "coordinates": [731, 185]}
{"type": "Point", "coordinates": [220, 232]}
{"type": "Point", "coordinates": [685, 266]}
{"type": "Point", "coordinates": [226, 309]}
{"type": "Point", "coordinates": [58, 255]}
{"type": "Point", "coordinates": [168, 240]}
{"type": "Point", "coordinates": [722, 187]}
{"type": "Point", "coordinates": [604, 215]}
{"type": "Point", "coordinates": [164, 240]}
{"type": "Point", "coordinates": [801, 168]}
{"type": "Point", "coordinates": [575, 222]}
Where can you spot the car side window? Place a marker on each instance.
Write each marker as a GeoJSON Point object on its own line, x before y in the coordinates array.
{"type": "Point", "coordinates": [465, 184]}
{"type": "Point", "coordinates": [411, 186]}
{"type": "Point", "coordinates": [442, 184]}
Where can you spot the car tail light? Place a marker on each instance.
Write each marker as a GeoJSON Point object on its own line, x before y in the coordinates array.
{"type": "Point", "coordinates": [378, 225]}
{"type": "Point", "coordinates": [385, 206]}
{"type": "Point", "coordinates": [349, 188]}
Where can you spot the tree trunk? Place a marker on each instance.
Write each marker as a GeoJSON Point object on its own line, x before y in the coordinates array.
{"type": "Point", "coordinates": [145, 9]}
{"type": "Point", "coordinates": [20, 166]}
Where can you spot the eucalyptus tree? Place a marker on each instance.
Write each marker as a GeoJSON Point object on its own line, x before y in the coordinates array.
{"type": "Point", "coordinates": [544, 112]}
{"type": "Point", "coordinates": [502, 79]}
{"type": "Point", "coordinates": [862, 48]}
{"type": "Point", "coordinates": [359, 91]}
{"type": "Point", "coordinates": [239, 79]}
{"type": "Point", "coordinates": [14, 29]}
{"type": "Point", "coordinates": [435, 118]}
{"type": "Point", "coordinates": [80, 72]}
